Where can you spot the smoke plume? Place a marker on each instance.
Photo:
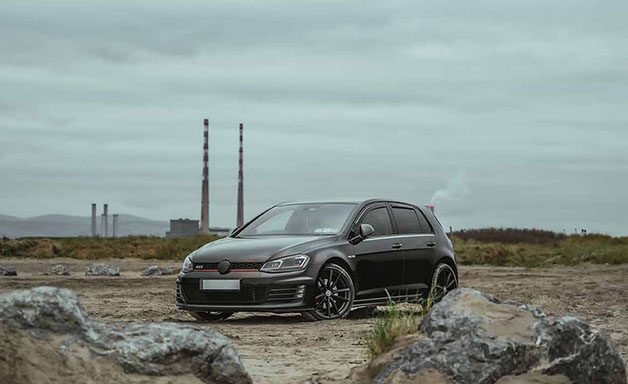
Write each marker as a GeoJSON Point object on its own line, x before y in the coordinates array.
{"type": "Point", "coordinates": [456, 190]}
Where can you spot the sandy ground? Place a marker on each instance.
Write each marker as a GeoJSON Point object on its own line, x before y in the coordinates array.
{"type": "Point", "coordinates": [284, 349]}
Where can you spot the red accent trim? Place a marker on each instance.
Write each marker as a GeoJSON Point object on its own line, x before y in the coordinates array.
{"type": "Point", "coordinates": [237, 270]}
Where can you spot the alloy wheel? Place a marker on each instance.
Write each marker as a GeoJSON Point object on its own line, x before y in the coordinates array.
{"type": "Point", "coordinates": [443, 281]}
{"type": "Point", "coordinates": [334, 293]}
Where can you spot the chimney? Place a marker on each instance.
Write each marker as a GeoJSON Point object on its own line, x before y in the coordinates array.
{"type": "Point", "coordinates": [104, 229]}
{"type": "Point", "coordinates": [114, 231]}
{"type": "Point", "coordinates": [205, 186]}
{"type": "Point", "coordinates": [240, 220]}
{"type": "Point", "coordinates": [93, 219]}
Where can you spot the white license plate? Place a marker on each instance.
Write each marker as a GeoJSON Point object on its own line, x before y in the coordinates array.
{"type": "Point", "coordinates": [220, 285]}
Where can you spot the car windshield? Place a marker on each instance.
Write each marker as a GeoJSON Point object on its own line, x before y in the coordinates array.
{"type": "Point", "coordinates": [300, 219]}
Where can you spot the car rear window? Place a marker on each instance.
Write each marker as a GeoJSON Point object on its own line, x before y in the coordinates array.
{"type": "Point", "coordinates": [407, 220]}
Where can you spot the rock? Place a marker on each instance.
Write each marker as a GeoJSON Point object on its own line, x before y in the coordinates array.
{"type": "Point", "coordinates": [156, 270]}
{"type": "Point", "coordinates": [534, 378]}
{"type": "Point", "coordinates": [58, 269]}
{"type": "Point", "coordinates": [44, 308]}
{"type": "Point", "coordinates": [102, 269]}
{"type": "Point", "coordinates": [46, 333]}
{"type": "Point", "coordinates": [473, 338]}
{"type": "Point", "coordinates": [7, 270]}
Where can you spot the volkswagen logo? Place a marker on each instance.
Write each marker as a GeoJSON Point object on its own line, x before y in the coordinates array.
{"type": "Point", "coordinates": [224, 267]}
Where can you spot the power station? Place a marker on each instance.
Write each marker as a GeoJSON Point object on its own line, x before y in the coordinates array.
{"type": "Point", "coordinates": [104, 223]}
{"type": "Point", "coordinates": [186, 227]}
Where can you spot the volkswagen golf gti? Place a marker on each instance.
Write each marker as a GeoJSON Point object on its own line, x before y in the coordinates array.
{"type": "Point", "coordinates": [322, 259]}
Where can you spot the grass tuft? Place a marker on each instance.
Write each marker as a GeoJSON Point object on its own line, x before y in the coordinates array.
{"type": "Point", "coordinates": [394, 321]}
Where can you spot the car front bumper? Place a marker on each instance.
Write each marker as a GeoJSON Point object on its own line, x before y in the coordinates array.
{"type": "Point", "coordinates": [259, 291]}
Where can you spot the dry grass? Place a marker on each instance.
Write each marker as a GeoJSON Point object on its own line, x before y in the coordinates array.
{"type": "Point", "coordinates": [103, 248]}
{"type": "Point", "coordinates": [508, 248]}
{"type": "Point", "coordinates": [394, 321]}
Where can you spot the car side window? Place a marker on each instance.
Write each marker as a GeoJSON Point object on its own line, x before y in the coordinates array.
{"type": "Point", "coordinates": [380, 220]}
{"type": "Point", "coordinates": [407, 220]}
{"type": "Point", "coordinates": [425, 225]}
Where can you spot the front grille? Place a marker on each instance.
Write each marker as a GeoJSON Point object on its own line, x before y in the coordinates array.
{"type": "Point", "coordinates": [212, 266]}
{"type": "Point", "coordinates": [246, 294]}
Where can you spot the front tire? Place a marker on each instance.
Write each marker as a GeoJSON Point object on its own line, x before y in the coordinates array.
{"type": "Point", "coordinates": [444, 280]}
{"type": "Point", "coordinates": [334, 294]}
{"type": "Point", "coordinates": [210, 316]}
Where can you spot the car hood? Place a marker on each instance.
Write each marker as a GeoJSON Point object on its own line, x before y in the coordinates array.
{"type": "Point", "coordinates": [257, 249]}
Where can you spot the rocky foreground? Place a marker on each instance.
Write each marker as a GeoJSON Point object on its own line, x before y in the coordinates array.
{"type": "Point", "coordinates": [472, 338]}
{"type": "Point", "coordinates": [47, 337]}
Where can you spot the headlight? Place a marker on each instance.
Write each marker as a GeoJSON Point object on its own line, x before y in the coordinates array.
{"type": "Point", "coordinates": [187, 265]}
{"type": "Point", "coordinates": [286, 264]}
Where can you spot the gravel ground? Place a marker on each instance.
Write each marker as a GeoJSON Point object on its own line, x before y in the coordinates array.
{"type": "Point", "coordinates": [283, 348]}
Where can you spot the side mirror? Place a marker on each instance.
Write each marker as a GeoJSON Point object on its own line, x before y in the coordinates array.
{"type": "Point", "coordinates": [366, 230]}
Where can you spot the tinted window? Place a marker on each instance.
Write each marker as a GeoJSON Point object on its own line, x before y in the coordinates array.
{"type": "Point", "coordinates": [425, 226]}
{"type": "Point", "coordinates": [379, 219]}
{"type": "Point", "coordinates": [407, 220]}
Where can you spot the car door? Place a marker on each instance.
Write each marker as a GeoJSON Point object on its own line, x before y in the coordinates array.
{"type": "Point", "coordinates": [418, 244]}
{"type": "Point", "coordinates": [379, 258]}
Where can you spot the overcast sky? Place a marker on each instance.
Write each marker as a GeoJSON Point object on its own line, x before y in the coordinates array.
{"type": "Point", "coordinates": [502, 113]}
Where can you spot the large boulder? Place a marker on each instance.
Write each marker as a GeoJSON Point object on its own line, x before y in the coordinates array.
{"type": "Point", "coordinates": [473, 338]}
{"type": "Point", "coordinates": [7, 270]}
{"type": "Point", "coordinates": [155, 270]}
{"type": "Point", "coordinates": [102, 269]}
{"type": "Point", "coordinates": [46, 335]}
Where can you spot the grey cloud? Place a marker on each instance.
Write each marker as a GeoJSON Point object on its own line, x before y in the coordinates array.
{"type": "Point", "coordinates": [104, 101]}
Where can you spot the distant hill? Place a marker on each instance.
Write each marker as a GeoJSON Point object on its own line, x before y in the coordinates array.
{"type": "Point", "coordinates": [71, 226]}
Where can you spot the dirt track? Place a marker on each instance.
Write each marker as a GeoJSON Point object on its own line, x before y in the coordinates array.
{"type": "Point", "coordinates": [283, 349]}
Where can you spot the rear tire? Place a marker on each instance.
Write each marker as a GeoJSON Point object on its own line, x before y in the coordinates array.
{"type": "Point", "coordinates": [210, 316]}
{"type": "Point", "coordinates": [334, 294]}
{"type": "Point", "coordinates": [444, 280]}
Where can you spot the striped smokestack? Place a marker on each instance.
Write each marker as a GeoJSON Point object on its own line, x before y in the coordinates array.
{"type": "Point", "coordinates": [240, 220]}
{"type": "Point", "coordinates": [205, 188]}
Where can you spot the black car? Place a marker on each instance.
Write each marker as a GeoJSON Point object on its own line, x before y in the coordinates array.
{"type": "Point", "coordinates": [321, 259]}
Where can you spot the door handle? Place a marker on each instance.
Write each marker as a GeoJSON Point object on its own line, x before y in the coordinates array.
{"type": "Point", "coordinates": [431, 243]}
{"type": "Point", "coordinates": [397, 245]}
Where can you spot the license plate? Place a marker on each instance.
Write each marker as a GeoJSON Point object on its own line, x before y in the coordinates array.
{"type": "Point", "coordinates": [220, 285]}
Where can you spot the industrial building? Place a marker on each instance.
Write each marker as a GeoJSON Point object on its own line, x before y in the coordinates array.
{"type": "Point", "coordinates": [183, 228]}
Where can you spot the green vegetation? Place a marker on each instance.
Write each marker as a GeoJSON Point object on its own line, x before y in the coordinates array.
{"type": "Point", "coordinates": [392, 322]}
{"type": "Point", "coordinates": [503, 247]}
{"type": "Point", "coordinates": [534, 248]}
{"type": "Point", "coordinates": [103, 248]}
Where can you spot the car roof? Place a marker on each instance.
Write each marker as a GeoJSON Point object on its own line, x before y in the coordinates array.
{"type": "Point", "coordinates": [346, 201]}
